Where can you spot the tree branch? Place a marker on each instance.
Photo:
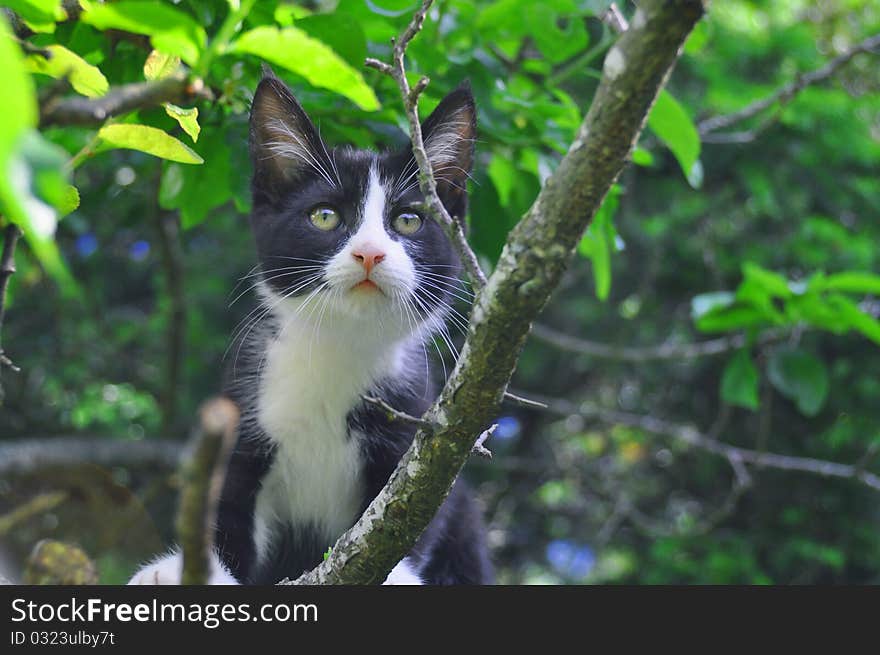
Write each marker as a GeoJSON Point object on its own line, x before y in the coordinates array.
{"type": "Point", "coordinates": [25, 455]}
{"type": "Point", "coordinates": [7, 267]}
{"type": "Point", "coordinates": [782, 95]}
{"type": "Point", "coordinates": [735, 455]}
{"type": "Point", "coordinates": [203, 476]}
{"type": "Point", "coordinates": [75, 110]}
{"type": "Point", "coordinates": [570, 343]}
{"type": "Point", "coordinates": [168, 228]}
{"type": "Point", "coordinates": [427, 183]}
{"type": "Point", "coordinates": [533, 260]}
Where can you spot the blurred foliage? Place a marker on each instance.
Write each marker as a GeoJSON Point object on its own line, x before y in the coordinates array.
{"type": "Point", "coordinates": [774, 238]}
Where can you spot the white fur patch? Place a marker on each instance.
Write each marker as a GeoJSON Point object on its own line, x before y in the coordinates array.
{"type": "Point", "coordinates": [332, 347]}
{"type": "Point", "coordinates": [168, 569]}
{"type": "Point", "coordinates": [403, 574]}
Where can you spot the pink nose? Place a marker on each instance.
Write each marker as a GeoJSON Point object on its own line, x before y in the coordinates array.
{"type": "Point", "coordinates": [368, 255]}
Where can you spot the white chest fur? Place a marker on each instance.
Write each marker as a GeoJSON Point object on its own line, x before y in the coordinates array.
{"type": "Point", "coordinates": [309, 384]}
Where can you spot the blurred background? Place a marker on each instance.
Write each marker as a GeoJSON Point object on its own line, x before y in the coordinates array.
{"type": "Point", "coordinates": [710, 362]}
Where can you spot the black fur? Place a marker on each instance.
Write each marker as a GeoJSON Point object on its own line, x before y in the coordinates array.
{"type": "Point", "coordinates": [452, 550]}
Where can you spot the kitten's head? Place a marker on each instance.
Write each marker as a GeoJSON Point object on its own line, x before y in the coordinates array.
{"type": "Point", "coordinates": [342, 231]}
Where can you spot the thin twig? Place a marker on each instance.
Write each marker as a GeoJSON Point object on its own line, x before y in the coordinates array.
{"type": "Point", "coordinates": [787, 92]}
{"type": "Point", "coordinates": [7, 267]}
{"type": "Point", "coordinates": [663, 351]}
{"type": "Point", "coordinates": [397, 71]}
{"type": "Point", "coordinates": [479, 447]}
{"type": "Point", "coordinates": [36, 505]}
{"type": "Point", "coordinates": [615, 19]}
{"type": "Point", "coordinates": [397, 415]}
{"type": "Point", "coordinates": [734, 454]}
{"type": "Point", "coordinates": [77, 110]}
{"type": "Point", "coordinates": [168, 228]}
{"type": "Point", "coordinates": [203, 476]}
{"type": "Point", "coordinates": [522, 401]}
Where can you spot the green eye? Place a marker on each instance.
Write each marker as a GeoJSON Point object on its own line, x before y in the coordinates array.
{"type": "Point", "coordinates": [324, 218]}
{"type": "Point", "coordinates": [407, 223]}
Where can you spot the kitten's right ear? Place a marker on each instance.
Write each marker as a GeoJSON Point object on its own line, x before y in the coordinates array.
{"type": "Point", "coordinates": [284, 143]}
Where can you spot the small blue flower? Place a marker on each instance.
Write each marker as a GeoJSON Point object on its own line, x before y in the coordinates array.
{"type": "Point", "coordinates": [508, 428]}
{"type": "Point", "coordinates": [139, 250]}
{"type": "Point", "coordinates": [86, 244]}
{"type": "Point", "coordinates": [570, 559]}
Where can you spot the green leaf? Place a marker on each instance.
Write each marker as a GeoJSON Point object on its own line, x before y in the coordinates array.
{"type": "Point", "coordinates": [642, 157]}
{"type": "Point", "coordinates": [853, 317]}
{"type": "Point", "coordinates": [801, 377]}
{"type": "Point", "coordinates": [599, 241]}
{"type": "Point", "coordinates": [170, 30]}
{"type": "Point", "coordinates": [147, 139]}
{"type": "Point", "coordinates": [772, 283]}
{"type": "Point", "coordinates": [187, 118]}
{"type": "Point", "coordinates": [296, 51]}
{"type": "Point", "coordinates": [853, 282]}
{"type": "Point", "coordinates": [86, 79]}
{"type": "Point", "coordinates": [672, 125]}
{"type": "Point", "coordinates": [160, 65]}
{"type": "Point", "coordinates": [502, 172]}
{"type": "Point", "coordinates": [739, 382]}
{"type": "Point", "coordinates": [20, 101]}
{"type": "Point", "coordinates": [32, 190]}
{"type": "Point", "coordinates": [27, 162]}
{"type": "Point", "coordinates": [728, 319]}
{"type": "Point", "coordinates": [707, 302]}
{"type": "Point", "coordinates": [40, 15]}
{"type": "Point", "coordinates": [183, 187]}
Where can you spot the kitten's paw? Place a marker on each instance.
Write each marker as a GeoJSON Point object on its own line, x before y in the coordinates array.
{"type": "Point", "coordinates": [168, 570]}
{"type": "Point", "coordinates": [403, 574]}
{"type": "Point", "coordinates": [163, 571]}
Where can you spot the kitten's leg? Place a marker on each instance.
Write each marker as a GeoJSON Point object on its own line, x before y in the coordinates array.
{"type": "Point", "coordinates": [403, 574]}
{"type": "Point", "coordinates": [168, 569]}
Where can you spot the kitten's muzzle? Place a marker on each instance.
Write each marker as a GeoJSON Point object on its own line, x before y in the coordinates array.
{"type": "Point", "coordinates": [368, 256]}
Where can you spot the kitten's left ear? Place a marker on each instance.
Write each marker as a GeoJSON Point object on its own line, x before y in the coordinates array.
{"type": "Point", "coordinates": [449, 134]}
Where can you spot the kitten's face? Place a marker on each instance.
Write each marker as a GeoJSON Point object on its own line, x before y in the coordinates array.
{"type": "Point", "coordinates": [342, 231]}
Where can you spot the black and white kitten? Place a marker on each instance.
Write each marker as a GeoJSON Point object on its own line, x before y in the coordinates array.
{"type": "Point", "coordinates": [354, 281]}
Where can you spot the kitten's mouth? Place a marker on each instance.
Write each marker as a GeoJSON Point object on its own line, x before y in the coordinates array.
{"type": "Point", "coordinates": [366, 285]}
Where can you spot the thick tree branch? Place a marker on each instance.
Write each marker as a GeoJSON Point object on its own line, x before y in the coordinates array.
{"type": "Point", "coordinates": [533, 260]}
{"type": "Point", "coordinates": [203, 476]}
{"type": "Point", "coordinates": [782, 96]}
{"type": "Point", "coordinates": [75, 110]}
{"type": "Point", "coordinates": [25, 455]}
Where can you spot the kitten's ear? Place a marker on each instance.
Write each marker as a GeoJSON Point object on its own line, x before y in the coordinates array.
{"type": "Point", "coordinates": [284, 143]}
{"type": "Point", "coordinates": [449, 134]}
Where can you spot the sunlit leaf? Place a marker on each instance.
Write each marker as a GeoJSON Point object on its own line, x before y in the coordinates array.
{"type": "Point", "coordinates": [187, 118]}
{"type": "Point", "coordinates": [296, 51]}
{"type": "Point", "coordinates": [672, 125]}
{"type": "Point", "coordinates": [170, 29]}
{"type": "Point", "coordinates": [160, 65]}
{"type": "Point", "coordinates": [85, 79]}
{"type": "Point", "coordinates": [147, 139]}
{"type": "Point", "coordinates": [40, 15]}
{"type": "Point", "coordinates": [853, 282]}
